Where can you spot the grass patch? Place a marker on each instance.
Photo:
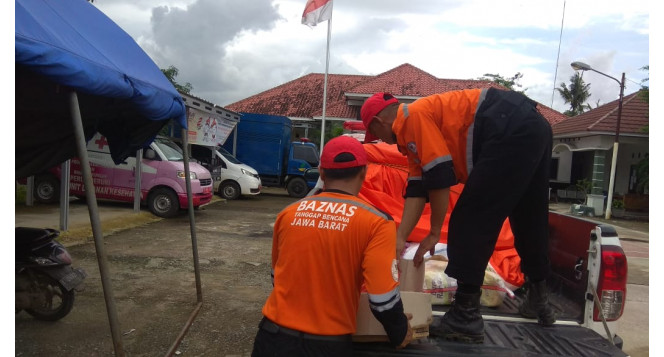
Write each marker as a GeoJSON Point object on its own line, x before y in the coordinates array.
{"type": "Point", "coordinates": [21, 192]}
{"type": "Point", "coordinates": [83, 233]}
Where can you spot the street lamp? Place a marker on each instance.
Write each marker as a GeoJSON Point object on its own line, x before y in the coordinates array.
{"type": "Point", "coordinates": [580, 66]}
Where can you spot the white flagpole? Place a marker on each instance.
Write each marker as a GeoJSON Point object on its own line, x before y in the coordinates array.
{"type": "Point", "coordinates": [327, 66]}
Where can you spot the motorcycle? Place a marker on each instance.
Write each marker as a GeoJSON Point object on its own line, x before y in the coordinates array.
{"type": "Point", "coordinates": [45, 279]}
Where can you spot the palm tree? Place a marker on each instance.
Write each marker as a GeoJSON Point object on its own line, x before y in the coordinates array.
{"type": "Point", "coordinates": [577, 94]}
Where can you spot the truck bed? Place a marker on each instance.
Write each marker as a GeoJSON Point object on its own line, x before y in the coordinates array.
{"type": "Point", "coordinates": [504, 338]}
{"type": "Point", "coordinates": [507, 333]}
{"type": "Point", "coordinates": [511, 338]}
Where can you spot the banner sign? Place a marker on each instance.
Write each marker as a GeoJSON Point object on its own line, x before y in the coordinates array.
{"type": "Point", "coordinates": [208, 129]}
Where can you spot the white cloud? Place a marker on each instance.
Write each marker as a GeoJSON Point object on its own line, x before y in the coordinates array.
{"type": "Point", "coordinates": [229, 50]}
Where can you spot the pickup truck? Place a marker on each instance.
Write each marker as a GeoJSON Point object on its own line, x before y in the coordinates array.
{"type": "Point", "coordinates": [588, 270]}
{"type": "Point", "coordinates": [588, 290]}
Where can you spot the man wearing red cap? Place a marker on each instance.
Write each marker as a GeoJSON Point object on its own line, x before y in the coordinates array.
{"type": "Point", "coordinates": [499, 146]}
{"type": "Point", "coordinates": [325, 247]}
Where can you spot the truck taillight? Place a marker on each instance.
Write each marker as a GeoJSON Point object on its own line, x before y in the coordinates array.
{"type": "Point", "coordinates": [612, 286]}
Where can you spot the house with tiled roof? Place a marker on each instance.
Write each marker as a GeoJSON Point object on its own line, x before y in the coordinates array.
{"type": "Point", "coordinates": [301, 99]}
{"type": "Point", "coordinates": [583, 149]}
{"type": "Point", "coordinates": [575, 138]}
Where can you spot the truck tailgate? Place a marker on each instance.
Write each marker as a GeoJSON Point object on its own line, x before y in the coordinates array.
{"type": "Point", "coordinates": [504, 338]}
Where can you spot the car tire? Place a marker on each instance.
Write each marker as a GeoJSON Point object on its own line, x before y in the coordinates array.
{"type": "Point", "coordinates": [297, 187]}
{"type": "Point", "coordinates": [163, 202]}
{"type": "Point", "coordinates": [47, 189]}
{"type": "Point", "coordinates": [230, 190]}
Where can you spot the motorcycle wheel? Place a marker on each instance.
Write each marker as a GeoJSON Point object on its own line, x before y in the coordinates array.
{"type": "Point", "coordinates": [57, 301]}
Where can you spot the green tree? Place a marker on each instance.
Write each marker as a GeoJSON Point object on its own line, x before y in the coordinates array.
{"type": "Point", "coordinates": [576, 95]}
{"type": "Point", "coordinates": [645, 90]}
{"type": "Point", "coordinates": [511, 83]}
{"type": "Point", "coordinates": [171, 73]}
{"type": "Point", "coordinates": [642, 167]}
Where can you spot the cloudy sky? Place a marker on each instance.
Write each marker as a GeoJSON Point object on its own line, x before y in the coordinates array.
{"type": "Point", "coordinates": [229, 49]}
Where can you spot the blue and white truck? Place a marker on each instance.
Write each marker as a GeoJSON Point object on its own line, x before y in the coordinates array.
{"type": "Point", "coordinates": [265, 142]}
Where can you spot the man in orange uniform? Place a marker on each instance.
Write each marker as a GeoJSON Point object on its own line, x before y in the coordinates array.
{"type": "Point", "coordinates": [499, 145]}
{"type": "Point", "coordinates": [324, 248]}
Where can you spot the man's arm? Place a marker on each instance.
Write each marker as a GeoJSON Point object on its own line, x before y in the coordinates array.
{"type": "Point", "coordinates": [438, 200]}
{"type": "Point", "coordinates": [412, 210]}
{"type": "Point", "coordinates": [382, 285]}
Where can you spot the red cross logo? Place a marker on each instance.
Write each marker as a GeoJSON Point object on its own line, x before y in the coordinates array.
{"type": "Point", "coordinates": [101, 142]}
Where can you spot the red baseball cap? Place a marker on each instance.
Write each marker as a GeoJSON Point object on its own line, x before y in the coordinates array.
{"type": "Point", "coordinates": [371, 107]}
{"type": "Point", "coordinates": [343, 152]}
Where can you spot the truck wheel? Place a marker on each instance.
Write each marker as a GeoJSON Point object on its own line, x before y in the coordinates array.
{"type": "Point", "coordinates": [229, 190]}
{"type": "Point", "coordinates": [297, 187]}
{"type": "Point", "coordinates": [163, 202]}
{"type": "Point", "coordinates": [47, 189]}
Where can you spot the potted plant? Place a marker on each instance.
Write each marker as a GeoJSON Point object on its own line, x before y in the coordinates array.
{"type": "Point", "coordinates": [618, 207]}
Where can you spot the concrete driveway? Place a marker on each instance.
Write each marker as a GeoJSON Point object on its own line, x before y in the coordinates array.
{"type": "Point", "coordinates": [634, 237]}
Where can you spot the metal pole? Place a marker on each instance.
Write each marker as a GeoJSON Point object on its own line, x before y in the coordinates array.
{"type": "Point", "coordinates": [96, 225]}
{"type": "Point", "coordinates": [194, 246]}
{"type": "Point", "coordinates": [614, 160]}
{"type": "Point", "coordinates": [64, 195]}
{"type": "Point", "coordinates": [560, 40]}
{"type": "Point", "coordinates": [30, 192]}
{"type": "Point", "coordinates": [192, 221]}
{"type": "Point", "coordinates": [327, 66]}
{"type": "Point", "coordinates": [138, 168]}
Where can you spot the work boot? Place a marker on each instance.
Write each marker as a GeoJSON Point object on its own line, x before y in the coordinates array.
{"type": "Point", "coordinates": [463, 322]}
{"type": "Point", "coordinates": [537, 304]}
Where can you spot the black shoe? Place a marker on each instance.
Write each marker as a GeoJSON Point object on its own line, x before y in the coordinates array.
{"type": "Point", "coordinates": [463, 322]}
{"type": "Point", "coordinates": [537, 304]}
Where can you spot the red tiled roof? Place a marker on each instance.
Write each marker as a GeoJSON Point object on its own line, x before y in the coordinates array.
{"type": "Point", "coordinates": [408, 80]}
{"type": "Point", "coordinates": [303, 97]}
{"type": "Point", "coordinates": [603, 119]}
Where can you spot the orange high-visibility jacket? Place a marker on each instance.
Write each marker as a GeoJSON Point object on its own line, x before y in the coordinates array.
{"type": "Point", "coordinates": [324, 248]}
{"type": "Point", "coordinates": [435, 133]}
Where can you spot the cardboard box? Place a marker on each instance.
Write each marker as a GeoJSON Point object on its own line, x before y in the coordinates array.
{"type": "Point", "coordinates": [411, 282]}
{"type": "Point", "coordinates": [410, 277]}
{"type": "Point", "coordinates": [418, 304]}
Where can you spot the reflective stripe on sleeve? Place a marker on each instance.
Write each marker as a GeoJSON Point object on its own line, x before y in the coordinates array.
{"type": "Point", "coordinates": [383, 302]}
{"type": "Point", "coordinates": [436, 161]}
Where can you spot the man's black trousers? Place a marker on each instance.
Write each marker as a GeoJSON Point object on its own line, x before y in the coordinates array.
{"type": "Point", "coordinates": [510, 178]}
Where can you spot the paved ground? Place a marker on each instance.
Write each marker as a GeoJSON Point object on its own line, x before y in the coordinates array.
{"type": "Point", "coordinates": [634, 235]}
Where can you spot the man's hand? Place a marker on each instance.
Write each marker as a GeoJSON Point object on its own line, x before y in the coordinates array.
{"type": "Point", "coordinates": [427, 244]}
{"type": "Point", "coordinates": [400, 246]}
{"type": "Point", "coordinates": [409, 334]}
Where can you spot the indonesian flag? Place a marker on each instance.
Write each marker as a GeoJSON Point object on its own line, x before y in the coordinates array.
{"type": "Point", "coordinates": [316, 11]}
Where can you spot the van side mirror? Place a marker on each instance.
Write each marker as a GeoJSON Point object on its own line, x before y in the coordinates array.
{"type": "Point", "coordinates": [150, 154]}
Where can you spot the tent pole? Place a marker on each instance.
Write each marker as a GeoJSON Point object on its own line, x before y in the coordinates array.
{"type": "Point", "coordinates": [194, 246]}
{"type": "Point", "coordinates": [64, 194]}
{"type": "Point", "coordinates": [96, 224]}
{"type": "Point", "coordinates": [192, 221]}
{"type": "Point", "coordinates": [138, 170]}
{"type": "Point", "coordinates": [29, 191]}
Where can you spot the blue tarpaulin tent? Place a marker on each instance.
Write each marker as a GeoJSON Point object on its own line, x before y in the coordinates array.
{"type": "Point", "coordinates": [78, 73]}
{"type": "Point", "coordinates": [70, 45]}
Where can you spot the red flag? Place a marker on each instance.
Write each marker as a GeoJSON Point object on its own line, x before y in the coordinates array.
{"type": "Point", "coordinates": [316, 11]}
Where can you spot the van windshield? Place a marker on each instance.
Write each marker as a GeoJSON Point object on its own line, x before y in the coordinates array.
{"type": "Point", "coordinates": [170, 149]}
{"type": "Point", "coordinates": [228, 155]}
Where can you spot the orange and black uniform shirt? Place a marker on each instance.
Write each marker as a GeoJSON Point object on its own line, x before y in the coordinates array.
{"type": "Point", "coordinates": [324, 248]}
{"type": "Point", "coordinates": [436, 134]}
